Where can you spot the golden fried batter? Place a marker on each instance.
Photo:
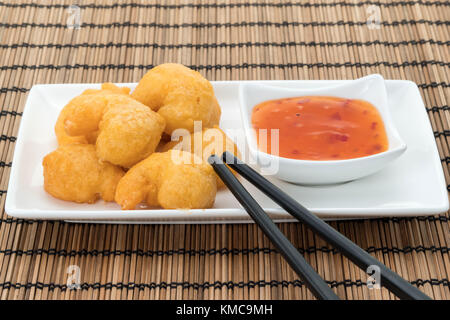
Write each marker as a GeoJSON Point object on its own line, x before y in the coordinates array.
{"type": "Point", "coordinates": [84, 98]}
{"type": "Point", "coordinates": [74, 173]}
{"type": "Point", "coordinates": [205, 143]}
{"type": "Point", "coordinates": [172, 180]}
{"type": "Point", "coordinates": [128, 135]}
{"type": "Point", "coordinates": [180, 95]}
{"type": "Point", "coordinates": [127, 131]}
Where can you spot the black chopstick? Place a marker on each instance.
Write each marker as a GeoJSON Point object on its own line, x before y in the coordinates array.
{"type": "Point", "coordinates": [314, 282]}
{"type": "Point", "coordinates": [389, 279]}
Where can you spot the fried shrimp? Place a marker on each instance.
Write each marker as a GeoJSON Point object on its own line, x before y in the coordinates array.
{"type": "Point", "coordinates": [74, 173]}
{"type": "Point", "coordinates": [83, 99]}
{"type": "Point", "coordinates": [205, 143]}
{"type": "Point", "coordinates": [172, 180]}
{"type": "Point", "coordinates": [110, 143]}
{"type": "Point", "coordinates": [180, 95]}
{"type": "Point", "coordinates": [126, 130]}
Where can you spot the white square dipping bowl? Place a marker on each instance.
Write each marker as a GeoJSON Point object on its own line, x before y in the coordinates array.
{"type": "Point", "coordinates": [310, 172]}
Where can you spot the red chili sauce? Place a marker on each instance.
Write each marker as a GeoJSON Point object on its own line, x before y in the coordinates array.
{"type": "Point", "coordinates": [321, 128]}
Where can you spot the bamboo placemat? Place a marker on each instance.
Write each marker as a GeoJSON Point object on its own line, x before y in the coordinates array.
{"type": "Point", "coordinates": [227, 40]}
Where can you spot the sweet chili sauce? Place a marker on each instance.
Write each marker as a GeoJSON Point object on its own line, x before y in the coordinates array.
{"type": "Point", "coordinates": [321, 128]}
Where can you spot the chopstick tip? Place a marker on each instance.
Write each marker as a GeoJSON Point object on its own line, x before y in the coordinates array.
{"type": "Point", "coordinates": [213, 159]}
{"type": "Point", "coordinates": [230, 158]}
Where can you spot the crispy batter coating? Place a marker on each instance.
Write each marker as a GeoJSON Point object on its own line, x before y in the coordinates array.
{"type": "Point", "coordinates": [205, 143]}
{"type": "Point", "coordinates": [74, 173]}
{"type": "Point", "coordinates": [172, 180]}
{"type": "Point", "coordinates": [180, 95]}
{"type": "Point", "coordinates": [84, 98]}
{"type": "Point", "coordinates": [127, 131]}
{"type": "Point", "coordinates": [104, 129]}
{"type": "Point", "coordinates": [128, 135]}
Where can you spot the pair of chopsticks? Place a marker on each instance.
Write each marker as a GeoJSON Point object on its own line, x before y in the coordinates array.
{"type": "Point", "coordinates": [389, 279]}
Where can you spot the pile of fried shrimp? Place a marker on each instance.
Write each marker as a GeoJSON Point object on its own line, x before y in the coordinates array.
{"type": "Point", "coordinates": [116, 145]}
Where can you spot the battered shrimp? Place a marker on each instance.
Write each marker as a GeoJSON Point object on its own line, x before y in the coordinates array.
{"type": "Point", "coordinates": [172, 180]}
{"type": "Point", "coordinates": [126, 130]}
{"type": "Point", "coordinates": [83, 99]}
{"type": "Point", "coordinates": [205, 143]}
{"type": "Point", "coordinates": [74, 173]}
{"type": "Point", "coordinates": [180, 95]}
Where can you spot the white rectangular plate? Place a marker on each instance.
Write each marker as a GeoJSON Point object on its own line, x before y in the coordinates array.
{"type": "Point", "coordinates": [413, 185]}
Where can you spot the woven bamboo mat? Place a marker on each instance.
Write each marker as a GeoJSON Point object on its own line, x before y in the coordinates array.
{"type": "Point", "coordinates": [227, 40]}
